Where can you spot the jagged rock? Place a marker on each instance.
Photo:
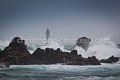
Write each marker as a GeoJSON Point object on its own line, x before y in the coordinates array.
{"type": "Point", "coordinates": [83, 42]}
{"type": "Point", "coordinates": [58, 50]}
{"type": "Point", "coordinates": [4, 64]}
{"type": "Point", "coordinates": [84, 61]}
{"type": "Point", "coordinates": [18, 44]}
{"type": "Point", "coordinates": [111, 59]}
{"type": "Point", "coordinates": [16, 52]}
{"type": "Point", "coordinates": [74, 52]}
{"type": "Point", "coordinates": [36, 56]}
{"type": "Point", "coordinates": [51, 56]}
{"type": "Point", "coordinates": [93, 61]}
{"type": "Point", "coordinates": [47, 56]}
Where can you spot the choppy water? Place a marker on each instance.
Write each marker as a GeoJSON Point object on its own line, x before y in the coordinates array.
{"type": "Point", "coordinates": [61, 72]}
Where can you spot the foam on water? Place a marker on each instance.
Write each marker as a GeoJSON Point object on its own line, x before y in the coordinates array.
{"type": "Point", "coordinates": [89, 78]}
{"type": "Point", "coordinates": [61, 72]}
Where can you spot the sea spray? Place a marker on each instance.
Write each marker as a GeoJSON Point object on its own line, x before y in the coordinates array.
{"type": "Point", "coordinates": [53, 45]}
{"type": "Point", "coordinates": [100, 50]}
{"type": "Point", "coordinates": [3, 44]}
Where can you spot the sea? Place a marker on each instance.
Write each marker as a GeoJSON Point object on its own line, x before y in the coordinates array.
{"type": "Point", "coordinates": [67, 72]}
{"type": "Point", "coordinates": [61, 72]}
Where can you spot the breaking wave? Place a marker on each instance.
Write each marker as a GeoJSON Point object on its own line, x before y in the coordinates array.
{"type": "Point", "coordinates": [100, 50]}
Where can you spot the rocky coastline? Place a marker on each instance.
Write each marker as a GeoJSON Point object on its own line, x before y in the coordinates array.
{"type": "Point", "coordinates": [16, 53]}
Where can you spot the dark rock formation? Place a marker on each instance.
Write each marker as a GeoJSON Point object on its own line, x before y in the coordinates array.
{"type": "Point", "coordinates": [74, 52]}
{"type": "Point", "coordinates": [84, 61]}
{"type": "Point", "coordinates": [93, 61]}
{"type": "Point", "coordinates": [16, 52]}
{"type": "Point", "coordinates": [83, 42]}
{"type": "Point", "coordinates": [51, 56]}
{"type": "Point", "coordinates": [48, 56]}
{"type": "Point", "coordinates": [4, 64]}
{"type": "Point", "coordinates": [111, 59]}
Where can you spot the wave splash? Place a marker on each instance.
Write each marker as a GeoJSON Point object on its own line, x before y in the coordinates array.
{"type": "Point", "coordinates": [100, 50]}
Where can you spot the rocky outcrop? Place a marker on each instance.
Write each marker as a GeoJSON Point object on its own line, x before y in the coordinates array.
{"type": "Point", "coordinates": [51, 56]}
{"type": "Point", "coordinates": [84, 61]}
{"type": "Point", "coordinates": [16, 52]}
{"type": "Point", "coordinates": [83, 42]}
{"type": "Point", "coordinates": [111, 59]}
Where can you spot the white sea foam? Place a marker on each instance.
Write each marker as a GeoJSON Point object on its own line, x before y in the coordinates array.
{"type": "Point", "coordinates": [89, 78]}
{"type": "Point", "coordinates": [63, 72]}
{"type": "Point", "coordinates": [100, 50]}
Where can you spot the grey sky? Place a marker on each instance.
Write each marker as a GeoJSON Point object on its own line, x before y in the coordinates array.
{"type": "Point", "coordinates": [64, 18]}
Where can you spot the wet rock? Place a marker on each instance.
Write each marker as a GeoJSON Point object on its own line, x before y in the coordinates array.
{"type": "Point", "coordinates": [51, 56]}
{"type": "Point", "coordinates": [16, 52]}
{"type": "Point", "coordinates": [36, 56]}
{"type": "Point", "coordinates": [111, 59]}
{"type": "Point", "coordinates": [74, 52]}
{"type": "Point", "coordinates": [93, 61]}
{"type": "Point", "coordinates": [84, 61]}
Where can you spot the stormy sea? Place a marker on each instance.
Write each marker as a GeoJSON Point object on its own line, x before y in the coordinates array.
{"type": "Point", "coordinates": [67, 72]}
{"type": "Point", "coordinates": [61, 72]}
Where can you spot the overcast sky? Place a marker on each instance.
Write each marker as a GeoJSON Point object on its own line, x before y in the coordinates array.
{"type": "Point", "coordinates": [64, 18]}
